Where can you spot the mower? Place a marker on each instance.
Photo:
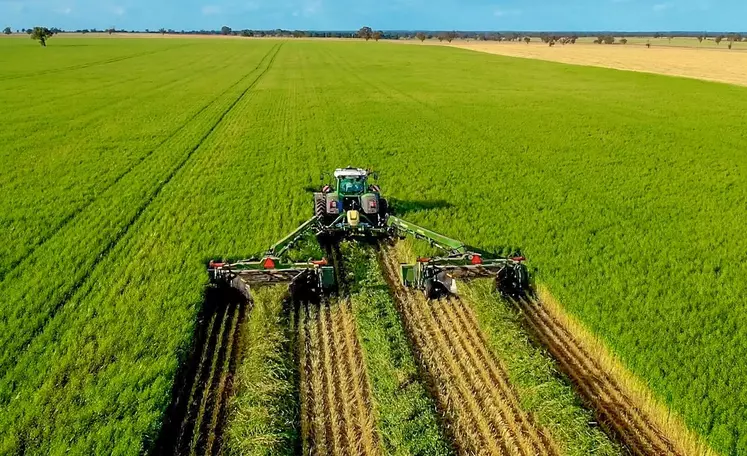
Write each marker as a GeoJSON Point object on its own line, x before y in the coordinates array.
{"type": "Point", "coordinates": [352, 208]}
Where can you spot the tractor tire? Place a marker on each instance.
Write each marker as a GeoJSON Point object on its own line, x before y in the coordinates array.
{"type": "Point", "coordinates": [320, 206]}
{"type": "Point", "coordinates": [383, 211]}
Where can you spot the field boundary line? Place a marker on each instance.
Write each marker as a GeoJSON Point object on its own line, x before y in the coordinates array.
{"type": "Point", "coordinates": [125, 229]}
{"type": "Point", "coordinates": [61, 225]}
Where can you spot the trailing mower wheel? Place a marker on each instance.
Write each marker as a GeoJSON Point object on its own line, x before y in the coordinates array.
{"type": "Point", "coordinates": [513, 282]}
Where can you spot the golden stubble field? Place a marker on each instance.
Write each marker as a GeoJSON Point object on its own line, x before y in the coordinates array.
{"type": "Point", "coordinates": [721, 65]}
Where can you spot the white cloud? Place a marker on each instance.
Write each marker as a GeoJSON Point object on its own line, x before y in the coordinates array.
{"type": "Point", "coordinates": [504, 13]}
{"type": "Point", "coordinates": [119, 11]}
{"type": "Point", "coordinates": [312, 7]}
{"type": "Point", "coordinates": [211, 10]}
{"type": "Point", "coordinates": [64, 10]}
{"type": "Point", "coordinates": [662, 6]}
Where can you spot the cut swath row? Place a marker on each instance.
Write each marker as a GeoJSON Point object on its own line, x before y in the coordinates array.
{"type": "Point", "coordinates": [616, 411]}
{"type": "Point", "coordinates": [336, 406]}
{"type": "Point", "coordinates": [198, 412]}
{"type": "Point", "coordinates": [469, 384]}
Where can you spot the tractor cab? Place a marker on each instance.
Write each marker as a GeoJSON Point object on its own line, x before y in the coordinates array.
{"type": "Point", "coordinates": [351, 181]}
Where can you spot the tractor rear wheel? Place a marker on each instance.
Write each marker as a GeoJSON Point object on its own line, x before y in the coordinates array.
{"type": "Point", "coordinates": [383, 211]}
{"type": "Point", "coordinates": [320, 207]}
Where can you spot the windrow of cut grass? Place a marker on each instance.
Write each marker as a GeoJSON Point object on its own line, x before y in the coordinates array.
{"type": "Point", "coordinates": [264, 408]}
{"type": "Point", "coordinates": [336, 406]}
{"type": "Point", "coordinates": [470, 385]}
{"type": "Point", "coordinates": [406, 415]}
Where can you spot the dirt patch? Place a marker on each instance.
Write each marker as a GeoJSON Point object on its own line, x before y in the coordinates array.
{"type": "Point", "coordinates": [720, 65]}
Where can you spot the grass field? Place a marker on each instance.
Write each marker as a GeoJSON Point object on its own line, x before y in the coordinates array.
{"type": "Point", "coordinates": [130, 163]}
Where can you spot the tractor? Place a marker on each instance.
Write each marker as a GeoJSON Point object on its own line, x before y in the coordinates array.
{"type": "Point", "coordinates": [355, 209]}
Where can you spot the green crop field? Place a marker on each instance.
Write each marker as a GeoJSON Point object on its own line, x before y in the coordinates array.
{"type": "Point", "coordinates": [129, 163]}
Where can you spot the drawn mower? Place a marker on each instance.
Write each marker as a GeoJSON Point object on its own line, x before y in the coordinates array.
{"type": "Point", "coordinates": [353, 208]}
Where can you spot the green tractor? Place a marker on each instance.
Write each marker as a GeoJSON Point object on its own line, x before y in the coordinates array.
{"type": "Point", "coordinates": [354, 209]}
{"type": "Point", "coordinates": [354, 201]}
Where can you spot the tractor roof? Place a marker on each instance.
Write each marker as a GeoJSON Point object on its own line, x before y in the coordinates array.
{"type": "Point", "coordinates": [350, 172]}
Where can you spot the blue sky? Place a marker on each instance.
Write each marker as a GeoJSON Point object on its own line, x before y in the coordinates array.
{"type": "Point", "coordinates": [628, 15]}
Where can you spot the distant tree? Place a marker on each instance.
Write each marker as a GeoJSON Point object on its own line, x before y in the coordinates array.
{"type": "Point", "coordinates": [421, 36]}
{"type": "Point", "coordinates": [246, 33]}
{"type": "Point", "coordinates": [648, 44]}
{"type": "Point", "coordinates": [225, 30]}
{"type": "Point", "coordinates": [700, 38]}
{"type": "Point", "coordinates": [441, 37]}
{"type": "Point", "coordinates": [718, 39]}
{"type": "Point", "coordinates": [162, 31]}
{"type": "Point", "coordinates": [730, 44]}
{"type": "Point", "coordinates": [7, 31]}
{"type": "Point", "coordinates": [552, 43]}
{"type": "Point", "coordinates": [609, 39]}
{"type": "Point", "coordinates": [450, 36]}
{"type": "Point", "coordinates": [624, 41]}
{"type": "Point", "coordinates": [41, 34]}
{"type": "Point", "coordinates": [527, 39]}
{"type": "Point", "coordinates": [377, 35]}
{"type": "Point", "coordinates": [366, 33]}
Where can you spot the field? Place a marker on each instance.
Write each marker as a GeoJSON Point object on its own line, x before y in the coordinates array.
{"type": "Point", "coordinates": [682, 57]}
{"type": "Point", "coordinates": [130, 163]}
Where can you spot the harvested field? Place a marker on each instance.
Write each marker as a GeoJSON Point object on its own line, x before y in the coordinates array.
{"type": "Point", "coordinates": [198, 412]}
{"type": "Point", "coordinates": [471, 386]}
{"type": "Point", "coordinates": [618, 413]}
{"type": "Point", "coordinates": [720, 65]}
{"type": "Point", "coordinates": [336, 407]}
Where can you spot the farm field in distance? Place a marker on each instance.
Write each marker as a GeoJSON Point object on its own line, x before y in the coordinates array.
{"type": "Point", "coordinates": [128, 164]}
{"type": "Point", "coordinates": [682, 57]}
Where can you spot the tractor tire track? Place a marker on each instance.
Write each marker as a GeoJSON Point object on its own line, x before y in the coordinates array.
{"type": "Point", "coordinates": [73, 215]}
{"type": "Point", "coordinates": [56, 307]}
{"type": "Point", "coordinates": [469, 384]}
{"type": "Point", "coordinates": [82, 66]}
{"type": "Point", "coordinates": [337, 417]}
{"type": "Point", "coordinates": [617, 413]}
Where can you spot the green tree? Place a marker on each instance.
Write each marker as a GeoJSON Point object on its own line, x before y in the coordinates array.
{"type": "Point", "coordinates": [718, 39]}
{"type": "Point", "coordinates": [450, 36]}
{"type": "Point", "coordinates": [527, 39]}
{"type": "Point", "coordinates": [376, 36]}
{"type": "Point", "coordinates": [7, 31]}
{"type": "Point", "coordinates": [225, 30]}
{"type": "Point", "coordinates": [366, 33]}
{"type": "Point", "coordinates": [420, 36]}
{"type": "Point", "coordinates": [41, 34]}
{"type": "Point", "coordinates": [624, 41]}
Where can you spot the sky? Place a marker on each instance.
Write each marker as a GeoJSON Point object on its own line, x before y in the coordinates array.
{"type": "Point", "coordinates": [539, 15]}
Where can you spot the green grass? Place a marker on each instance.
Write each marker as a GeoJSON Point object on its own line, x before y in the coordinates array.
{"type": "Point", "coordinates": [263, 410]}
{"type": "Point", "coordinates": [121, 177]}
{"type": "Point", "coordinates": [406, 415]}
